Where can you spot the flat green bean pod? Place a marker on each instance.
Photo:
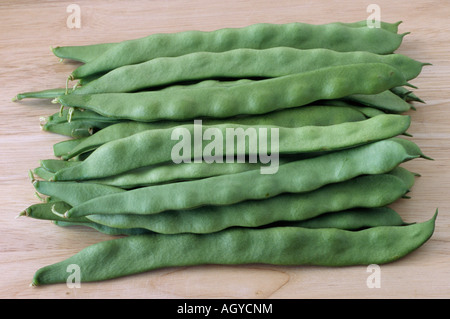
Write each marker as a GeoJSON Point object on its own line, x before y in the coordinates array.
{"type": "Point", "coordinates": [156, 146]}
{"type": "Point", "coordinates": [45, 211]}
{"type": "Point", "coordinates": [274, 245]}
{"type": "Point", "coordinates": [75, 129]}
{"type": "Point", "coordinates": [406, 94]}
{"type": "Point", "coordinates": [362, 191]}
{"type": "Point", "coordinates": [81, 53]}
{"type": "Point", "coordinates": [170, 172]}
{"type": "Point", "coordinates": [296, 117]}
{"type": "Point", "coordinates": [104, 229]}
{"type": "Point", "coordinates": [336, 37]}
{"type": "Point", "coordinates": [65, 147]}
{"type": "Point", "coordinates": [43, 173]}
{"type": "Point", "coordinates": [258, 97]}
{"type": "Point", "coordinates": [236, 64]}
{"type": "Point", "coordinates": [352, 219]}
{"type": "Point", "coordinates": [293, 177]}
{"type": "Point", "coordinates": [43, 94]}
{"type": "Point", "coordinates": [74, 193]}
{"type": "Point", "coordinates": [86, 53]}
{"type": "Point", "coordinates": [386, 101]}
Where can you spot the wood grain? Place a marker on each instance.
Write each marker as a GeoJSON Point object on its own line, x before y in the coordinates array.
{"type": "Point", "coordinates": [29, 28]}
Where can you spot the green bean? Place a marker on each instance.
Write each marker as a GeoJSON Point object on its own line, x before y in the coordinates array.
{"type": "Point", "coordinates": [43, 173]}
{"type": "Point", "coordinates": [44, 211]}
{"type": "Point", "coordinates": [391, 27]}
{"type": "Point", "coordinates": [75, 123]}
{"type": "Point", "coordinates": [76, 115]}
{"type": "Point", "coordinates": [293, 177]}
{"type": "Point", "coordinates": [236, 64]}
{"type": "Point", "coordinates": [274, 245]}
{"type": "Point", "coordinates": [380, 102]}
{"type": "Point", "coordinates": [362, 191]}
{"type": "Point", "coordinates": [258, 36]}
{"type": "Point", "coordinates": [74, 193]}
{"type": "Point", "coordinates": [366, 110]}
{"type": "Point", "coordinates": [75, 129]}
{"type": "Point", "coordinates": [353, 219]}
{"type": "Point", "coordinates": [86, 53]}
{"type": "Point", "coordinates": [156, 146]}
{"type": "Point", "coordinates": [104, 229]}
{"type": "Point", "coordinates": [258, 97]}
{"type": "Point", "coordinates": [170, 172]}
{"type": "Point", "coordinates": [406, 94]}
{"type": "Point", "coordinates": [65, 147]}
{"type": "Point", "coordinates": [386, 101]}
{"type": "Point", "coordinates": [44, 94]}
{"type": "Point", "coordinates": [296, 117]}
{"type": "Point", "coordinates": [54, 165]}
{"type": "Point", "coordinates": [82, 53]}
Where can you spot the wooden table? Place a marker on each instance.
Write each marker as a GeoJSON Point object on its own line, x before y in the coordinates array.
{"type": "Point", "coordinates": [29, 28]}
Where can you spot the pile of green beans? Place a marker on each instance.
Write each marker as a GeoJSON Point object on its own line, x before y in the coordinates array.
{"type": "Point", "coordinates": [338, 96]}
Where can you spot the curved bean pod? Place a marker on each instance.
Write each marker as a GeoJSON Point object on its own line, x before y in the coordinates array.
{"type": "Point", "coordinates": [406, 94]}
{"type": "Point", "coordinates": [86, 53]}
{"type": "Point", "coordinates": [236, 64]}
{"type": "Point", "coordinates": [44, 94]}
{"type": "Point", "coordinates": [54, 165]}
{"type": "Point", "coordinates": [386, 101]}
{"type": "Point", "coordinates": [354, 219]}
{"type": "Point", "coordinates": [363, 191]}
{"type": "Point", "coordinates": [104, 229]}
{"type": "Point", "coordinates": [45, 211]}
{"type": "Point", "coordinates": [65, 147]}
{"type": "Point", "coordinates": [296, 117]}
{"type": "Point", "coordinates": [139, 150]}
{"type": "Point", "coordinates": [82, 53]}
{"type": "Point", "coordinates": [257, 36]}
{"type": "Point", "coordinates": [258, 97]}
{"type": "Point", "coordinates": [74, 193]}
{"type": "Point", "coordinates": [170, 172]}
{"type": "Point", "coordinates": [273, 245]}
{"type": "Point", "coordinates": [294, 177]}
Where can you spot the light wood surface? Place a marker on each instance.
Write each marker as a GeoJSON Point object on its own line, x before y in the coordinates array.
{"type": "Point", "coordinates": [29, 28]}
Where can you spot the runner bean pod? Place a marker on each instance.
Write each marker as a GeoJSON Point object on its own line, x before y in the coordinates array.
{"type": "Point", "coordinates": [362, 191]}
{"type": "Point", "coordinates": [236, 64]}
{"type": "Point", "coordinates": [257, 36]}
{"type": "Point", "coordinates": [258, 97]}
{"type": "Point", "coordinates": [156, 146]}
{"type": "Point", "coordinates": [352, 219]}
{"type": "Point", "coordinates": [293, 177]}
{"type": "Point", "coordinates": [86, 53]}
{"type": "Point", "coordinates": [316, 115]}
{"type": "Point", "coordinates": [273, 245]}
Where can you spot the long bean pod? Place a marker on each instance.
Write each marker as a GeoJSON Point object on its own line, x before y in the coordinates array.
{"type": "Point", "coordinates": [363, 191]}
{"type": "Point", "coordinates": [336, 37]}
{"type": "Point", "coordinates": [258, 97]}
{"type": "Point", "coordinates": [274, 245]}
{"type": "Point", "coordinates": [88, 52]}
{"type": "Point", "coordinates": [316, 115]}
{"type": "Point", "coordinates": [157, 146]}
{"type": "Point", "coordinates": [236, 64]}
{"type": "Point", "coordinates": [293, 177]}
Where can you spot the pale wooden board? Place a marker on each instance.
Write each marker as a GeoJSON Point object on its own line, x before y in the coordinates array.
{"type": "Point", "coordinates": [29, 28]}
